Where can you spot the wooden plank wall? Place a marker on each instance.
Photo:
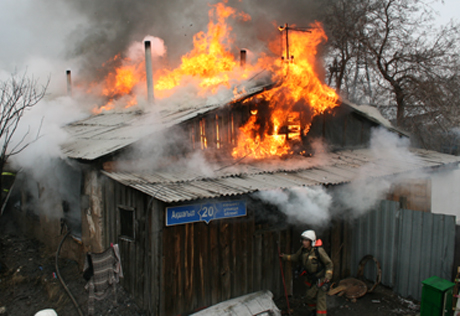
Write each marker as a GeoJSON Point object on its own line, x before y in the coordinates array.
{"type": "Point", "coordinates": [413, 194]}
{"type": "Point", "coordinates": [179, 269]}
{"type": "Point", "coordinates": [220, 129]}
{"type": "Point", "coordinates": [340, 249]}
{"type": "Point", "coordinates": [204, 264]}
{"type": "Point", "coordinates": [154, 258]}
{"type": "Point", "coordinates": [133, 252]}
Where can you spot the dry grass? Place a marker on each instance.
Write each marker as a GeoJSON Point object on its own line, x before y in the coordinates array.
{"type": "Point", "coordinates": [55, 291]}
{"type": "Point", "coordinates": [16, 278]}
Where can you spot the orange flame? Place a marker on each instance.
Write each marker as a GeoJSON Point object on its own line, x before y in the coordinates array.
{"type": "Point", "coordinates": [210, 60]}
{"type": "Point", "coordinates": [209, 65]}
{"type": "Point", "coordinates": [288, 109]}
{"type": "Point", "coordinates": [120, 83]}
{"type": "Point", "coordinates": [299, 96]}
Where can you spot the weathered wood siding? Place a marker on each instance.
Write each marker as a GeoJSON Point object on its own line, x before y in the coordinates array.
{"type": "Point", "coordinates": [92, 212]}
{"type": "Point", "coordinates": [413, 194]}
{"type": "Point", "coordinates": [135, 253]}
{"type": "Point", "coordinates": [178, 269]}
{"type": "Point", "coordinates": [341, 128]}
{"type": "Point", "coordinates": [204, 264]}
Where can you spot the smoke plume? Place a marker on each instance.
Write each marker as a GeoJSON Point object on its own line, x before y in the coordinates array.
{"type": "Point", "coordinates": [364, 192]}
{"type": "Point", "coordinates": [316, 206]}
{"type": "Point", "coordinates": [301, 205]}
{"type": "Point", "coordinates": [82, 35]}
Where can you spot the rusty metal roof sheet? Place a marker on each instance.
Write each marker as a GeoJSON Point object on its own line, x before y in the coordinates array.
{"type": "Point", "coordinates": [339, 167]}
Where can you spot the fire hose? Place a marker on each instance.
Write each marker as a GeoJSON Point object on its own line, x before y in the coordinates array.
{"type": "Point", "coordinates": [284, 282]}
{"type": "Point", "coordinates": [60, 278]}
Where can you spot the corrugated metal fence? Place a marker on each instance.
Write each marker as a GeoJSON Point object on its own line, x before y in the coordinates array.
{"type": "Point", "coordinates": [411, 246]}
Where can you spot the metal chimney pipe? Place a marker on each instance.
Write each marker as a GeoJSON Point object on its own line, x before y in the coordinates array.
{"type": "Point", "coordinates": [242, 58]}
{"type": "Point", "coordinates": [149, 72]}
{"type": "Point", "coordinates": [69, 83]}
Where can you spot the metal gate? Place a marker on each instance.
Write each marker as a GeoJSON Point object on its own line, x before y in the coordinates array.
{"type": "Point", "coordinates": [411, 246]}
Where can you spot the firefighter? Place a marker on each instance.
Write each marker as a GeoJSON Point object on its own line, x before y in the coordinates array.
{"type": "Point", "coordinates": [316, 272]}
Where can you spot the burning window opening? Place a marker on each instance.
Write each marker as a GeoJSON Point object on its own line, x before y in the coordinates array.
{"type": "Point", "coordinates": [203, 139]}
{"type": "Point", "coordinates": [232, 130]}
{"type": "Point", "coordinates": [192, 137]}
{"type": "Point", "coordinates": [218, 141]}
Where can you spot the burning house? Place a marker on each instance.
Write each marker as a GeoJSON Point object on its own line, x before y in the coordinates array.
{"type": "Point", "coordinates": [176, 186]}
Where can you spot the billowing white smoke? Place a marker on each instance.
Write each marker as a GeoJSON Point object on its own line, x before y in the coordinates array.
{"type": "Point", "coordinates": [364, 192]}
{"type": "Point", "coordinates": [41, 128]}
{"type": "Point", "coordinates": [40, 133]}
{"type": "Point", "coordinates": [302, 205]}
{"type": "Point", "coordinates": [316, 206]}
{"type": "Point", "coordinates": [362, 195]}
{"type": "Point", "coordinates": [164, 151]}
{"type": "Point", "coordinates": [136, 50]}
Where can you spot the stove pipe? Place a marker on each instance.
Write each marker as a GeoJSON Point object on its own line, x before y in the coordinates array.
{"type": "Point", "coordinates": [149, 73]}
{"type": "Point", "coordinates": [242, 58]}
{"type": "Point", "coordinates": [69, 83]}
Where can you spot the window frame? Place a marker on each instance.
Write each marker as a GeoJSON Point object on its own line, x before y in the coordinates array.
{"type": "Point", "coordinates": [121, 234]}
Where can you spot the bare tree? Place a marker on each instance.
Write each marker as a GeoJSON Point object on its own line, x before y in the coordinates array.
{"type": "Point", "coordinates": [344, 19]}
{"type": "Point", "coordinates": [389, 52]}
{"type": "Point", "coordinates": [17, 94]}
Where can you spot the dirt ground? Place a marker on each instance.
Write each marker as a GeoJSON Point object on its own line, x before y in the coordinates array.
{"type": "Point", "coordinates": [381, 302]}
{"type": "Point", "coordinates": [28, 280]}
{"type": "Point", "coordinates": [28, 284]}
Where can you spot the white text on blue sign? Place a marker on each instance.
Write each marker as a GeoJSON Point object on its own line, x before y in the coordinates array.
{"type": "Point", "coordinates": [204, 212]}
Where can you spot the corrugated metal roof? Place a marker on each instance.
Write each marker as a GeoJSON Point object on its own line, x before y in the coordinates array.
{"type": "Point", "coordinates": [373, 114]}
{"type": "Point", "coordinates": [105, 133]}
{"type": "Point", "coordinates": [339, 167]}
{"type": "Point", "coordinates": [102, 134]}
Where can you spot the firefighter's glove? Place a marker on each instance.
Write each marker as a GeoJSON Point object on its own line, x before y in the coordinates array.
{"type": "Point", "coordinates": [326, 286]}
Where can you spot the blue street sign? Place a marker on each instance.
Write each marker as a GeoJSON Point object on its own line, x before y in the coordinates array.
{"type": "Point", "coordinates": [205, 212]}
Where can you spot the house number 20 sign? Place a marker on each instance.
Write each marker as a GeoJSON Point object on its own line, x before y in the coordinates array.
{"type": "Point", "coordinates": [205, 212]}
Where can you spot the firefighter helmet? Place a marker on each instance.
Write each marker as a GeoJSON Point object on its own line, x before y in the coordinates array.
{"type": "Point", "coordinates": [309, 234]}
{"type": "Point", "coordinates": [46, 312]}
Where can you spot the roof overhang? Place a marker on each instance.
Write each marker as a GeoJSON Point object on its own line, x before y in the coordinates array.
{"type": "Point", "coordinates": [333, 169]}
{"type": "Point", "coordinates": [104, 134]}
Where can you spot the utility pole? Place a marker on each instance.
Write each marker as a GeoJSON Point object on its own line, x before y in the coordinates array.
{"type": "Point", "coordinates": [286, 28]}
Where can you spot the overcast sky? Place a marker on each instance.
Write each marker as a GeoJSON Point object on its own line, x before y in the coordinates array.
{"type": "Point", "coordinates": [450, 9]}
{"type": "Point", "coordinates": [47, 37]}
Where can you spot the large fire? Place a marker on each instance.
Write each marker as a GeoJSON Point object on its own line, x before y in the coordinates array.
{"type": "Point", "coordinates": [296, 99]}
{"type": "Point", "coordinates": [120, 82]}
{"type": "Point", "coordinates": [280, 117]}
{"type": "Point", "coordinates": [210, 60]}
